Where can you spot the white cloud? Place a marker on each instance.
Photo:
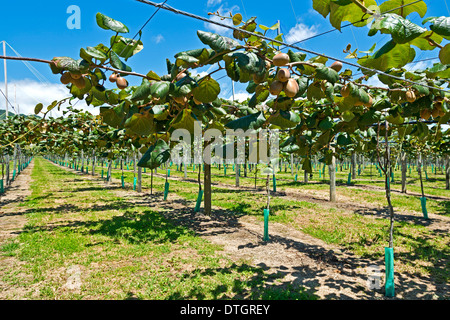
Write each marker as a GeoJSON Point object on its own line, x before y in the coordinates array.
{"type": "Point", "coordinates": [158, 38]}
{"type": "Point", "coordinates": [375, 82]}
{"type": "Point", "coordinates": [29, 93]}
{"type": "Point", "coordinates": [212, 3]}
{"type": "Point", "coordinates": [419, 65]}
{"type": "Point", "coordinates": [300, 32]}
{"type": "Point", "coordinates": [240, 96]}
{"type": "Point", "coordinates": [223, 12]}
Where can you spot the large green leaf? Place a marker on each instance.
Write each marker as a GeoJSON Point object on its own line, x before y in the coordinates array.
{"type": "Point", "coordinates": [126, 47]}
{"type": "Point", "coordinates": [250, 62]}
{"type": "Point", "coordinates": [285, 119]}
{"type": "Point", "coordinates": [391, 55]}
{"type": "Point", "coordinates": [346, 10]}
{"type": "Point", "coordinates": [404, 7]}
{"type": "Point", "coordinates": [217, 42]}
{"type": "Point", "coordinates": [402, 30]}
{"type": "Point", "coordinates": [140, 124]}
{"type": "Point", "coordinates": [156, 155]}
{"type": "Point", "coordinates": [252, 121]}
{"type": "Point", "coordinates": [159, 89]}
{"type": "Point", "coordinates": [117, 63]}
{"type": "Point", "coordinates": [184, 120]}
{"type": "Point", "coordinates": [325, 73]}
{"type": "Point", "coordinates": [440, 25]}
{"type": "Point", "coordinates": [92, 53]}
{"type": "Point", "coordinates": [207, 90]}
{"type": "Point", "coordinates": [143, 91]}
{"type": "Point", "coordinates": [108, 23]}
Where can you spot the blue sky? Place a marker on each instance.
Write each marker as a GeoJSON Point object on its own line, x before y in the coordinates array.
{"type": "Point", "coordinates": [35, 29]}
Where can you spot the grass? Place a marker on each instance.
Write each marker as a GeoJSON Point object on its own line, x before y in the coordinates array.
{"type": "Point", "coordinates": [419, 251]}
{"type": "Point", "coordinates": [123, 250]}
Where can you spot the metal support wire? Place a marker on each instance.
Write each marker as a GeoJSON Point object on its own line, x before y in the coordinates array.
{"type": "Point", "coordinates": [194, 16]}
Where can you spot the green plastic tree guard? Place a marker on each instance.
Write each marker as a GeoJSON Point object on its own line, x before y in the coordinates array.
{"type": "Point", "coordinates": [168, 172]}
{"type": "Point", "coordinates": [134, 183]}
{"type": "Point", "coordinates": [349, 179]}
{"type": "Point", "coordinates": [199, 201]}
{"type": "Point", "coordinates": [389, 262]}
{"type": "Point", "coordinates": [423, 201]}
{"type": "Point", "coordinates": [166, 190]}
{"type": "Point", "coordinates": [274, 179]}
{"type": "Point", "coordinates": [14, 175]}
{"type": "Point", "coordinates": [102, 173]}
{"type": "Point", "coordinates": [266, 225]}
{"type": "Point", "coordinates": [295, 178]}
{"type": "Point", "coordinates": [1, 186]}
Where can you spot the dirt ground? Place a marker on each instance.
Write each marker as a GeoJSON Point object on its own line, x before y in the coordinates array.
{"type": "Point", "coordinates": [294, 257]}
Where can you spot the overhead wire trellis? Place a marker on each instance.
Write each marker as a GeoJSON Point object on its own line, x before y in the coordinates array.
{"type": "Point", "coordinates": [374, 71]}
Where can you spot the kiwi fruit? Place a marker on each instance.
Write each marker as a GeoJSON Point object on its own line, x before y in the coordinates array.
{"type": "Point", "coordinates": [276, 87]}
{"type": "Point", "coordinates": [66, 78]}
{"type": "Point", "coordinates": [121, 82]}
{"type": "Point", "coordinates": [435, 112]}
{"type": "Point", "coordinates": [291, 88]}
{"type": "Point", "coordinates": [336, 66]}
{"type": "Point", "coordinates": [80, 83]}
{"type": "Point", "coordinates": [425, 114]}
{"type": "Point", "coordinates": [75, 76]}
{"type": "Point", "coordinates": [410, 96]}
{"type": "Point", "coordinates": [283, 75]}
{"type": "Point", "coordinates": [345, 91]}
{"type": "Point", "coordinates": [281, 59]}
{"type": "Point", "coordinates": [113, 77]}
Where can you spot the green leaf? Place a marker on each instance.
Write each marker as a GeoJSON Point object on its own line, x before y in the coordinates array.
{"type": "Point", "coordinates": [143, 91]}
{"type": "Point", "coordinates": [38, 108]}
{"type": "Point", "coordinates": [237, 19]}
{"type": "Point", "coordinates": [217, 42]}
{"type": "Point", "coordinates": [117, 63]}
{"type": "Point", "coordinates": [140, 124]}
{"type": "Point", "coordinates": [153, 76]}
{"type": "Point", "coordinates": [391, 55]}
{"type": "Point", "coordinates": [402, 30]}
{"type": "Point", "coordinates": [348, 11]}
{"type": "Point", "coordinates": [108, 23]}
{"type": "Point", "coordinates": [285, 119]}
{"type": "Point", "coordinates": [440, 25]}
{"type": "Point", "coordinates": [73, 66]}
{"type": "Point", "coordinates": [252, 121]}
{"type": "Point", "coordinates": [159, 89]}
{"type": "Point", "coordinates": [249, 62]}
{"type": "Point", "coordinates": [404, 7]}
{"type": "Point", "coordinates": [111, 116]}
{"type": "Point", "coordinates": [325, 73]}
{"type": "Point", "coordinates": [92, 53]}
{"type": "Point", "coordinates": [155, 156]}
{"type": "Point", "coordinates": [444, 54]}
{"type": "Point", "coordinates": [126, 47]}
{"type": "Point", "coordinates": [207, 90]}
{"type": "Point", "coordinates": [184, 120]}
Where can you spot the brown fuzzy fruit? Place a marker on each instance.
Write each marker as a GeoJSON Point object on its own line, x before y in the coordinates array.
{"type": "Point", "coordinates": [121, 82]}
{"type": "Point", "coordinates": [75, 75]}
{"type": "Point", "coordinates": [66, 78]}
{"type": "Point", "coordinates": [345, 91]}
{"type": "Point", "coordinates": [435, 112]}
{"type": "Point", "coordinates": [80, 83]}
{"type": "Point", "coordinates": [276, 87]}
{"type": "Point", "coordinates": [113, 77]}
{"type": "Point", "coordinates": [283, 75]}
{"type": "Point", "coordinates": [336, 66]}
{"type": "Point", "coordinates": [291, 88]}
{"type": "Point", "coordinates": [425, 114]}
{"type": "Point", "coordinates": [281, 59]}
{"type": "Point", "coordinates": [410, 96]}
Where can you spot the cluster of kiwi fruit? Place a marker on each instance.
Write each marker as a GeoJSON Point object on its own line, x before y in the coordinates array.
{"type": "Point", "coordinates": [121, 82]}
{"type": "Point", "coordinates": [435, 111]}
{"type": "Point", "coordinates": [76, 79]}
{"type": "Point", "coordinates": [283, 81]}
